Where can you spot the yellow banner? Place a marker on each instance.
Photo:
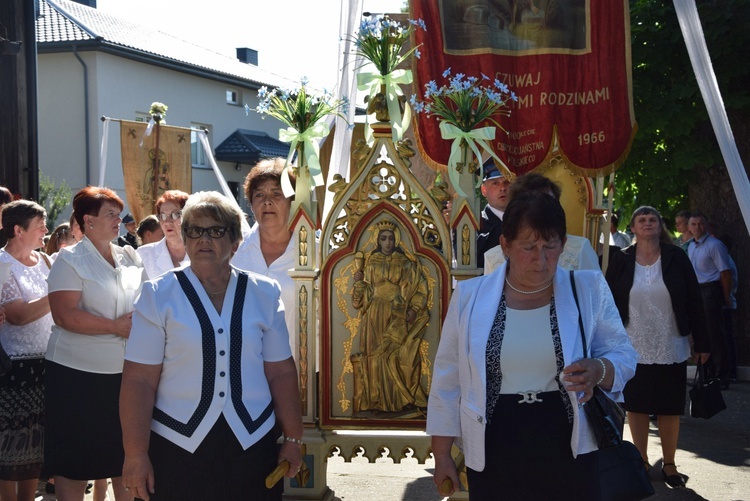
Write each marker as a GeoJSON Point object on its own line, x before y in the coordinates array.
{"type": "Point", "coordinates": [149, 174]}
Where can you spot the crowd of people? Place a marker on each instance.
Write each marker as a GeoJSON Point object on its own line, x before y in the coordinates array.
{"type": "Point", "coordinates": [162, 358]}
{"type": "Point", "coordinates": [107, 334]}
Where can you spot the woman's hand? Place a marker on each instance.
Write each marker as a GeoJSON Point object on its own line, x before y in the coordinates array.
{"type": "Point", "coordinates": [292, 452]}
{"type": "Point", "coordinates": [584, 374]}
{"type": "Point", "coordinates": [445, 468]}
{"type": "Point", "coordinates": [121, 325]}
{"type": "Point", "coordinates": [138, 475]}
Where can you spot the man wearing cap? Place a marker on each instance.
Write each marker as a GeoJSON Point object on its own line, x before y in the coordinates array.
{"type": "Point", "coordinates": [129, 238]}
{"type": "Point", "coordinates": [495, 189]}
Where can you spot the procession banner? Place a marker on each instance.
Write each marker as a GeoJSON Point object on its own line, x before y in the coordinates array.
{"type": "Point", "coordinates": [153, 164]}
{"type": "Point", "coordinates": [567, 61]}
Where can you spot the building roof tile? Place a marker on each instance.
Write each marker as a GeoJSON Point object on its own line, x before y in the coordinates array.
{"type": "Point", "coordinates": [64, 22]}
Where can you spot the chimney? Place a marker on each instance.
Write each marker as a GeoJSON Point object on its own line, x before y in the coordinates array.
{"type": "Point", "coordinates": [247, 56]}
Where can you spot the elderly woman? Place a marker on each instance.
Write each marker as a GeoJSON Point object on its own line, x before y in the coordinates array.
{"type": "Point", "coordinates": [209, 373]}
{"type": "Point", "coordinates": [269, 249]}
{"type": "Point", "coordinates": [657, 293]}
{"type": "Point", "coordinates": [509, 372]}
{"type": "Point", "coordinates": [169, 252]}
{"type": "Point", "coordinates": [24, 335]}
{"type": "Point", "coordinates": [149, 230]}
{"type": "Point", "coordinates": [92, 287]}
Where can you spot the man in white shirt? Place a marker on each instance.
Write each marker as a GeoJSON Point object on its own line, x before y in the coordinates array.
{"type": "Point", "coordinates": [619, 238]}
{"type": "Point", "coordinates": [495, 188]}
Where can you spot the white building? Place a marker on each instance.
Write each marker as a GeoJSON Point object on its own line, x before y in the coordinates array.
{"type": "Point", "coordinates": [91, 64]}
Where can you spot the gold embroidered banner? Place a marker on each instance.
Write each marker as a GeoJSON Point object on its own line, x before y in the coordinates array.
{"type": "Point", "coordinates": [162, 163]}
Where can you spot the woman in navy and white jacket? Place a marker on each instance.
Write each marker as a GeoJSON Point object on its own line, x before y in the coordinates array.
{"type": "Point", "coordinates": [510, 371]}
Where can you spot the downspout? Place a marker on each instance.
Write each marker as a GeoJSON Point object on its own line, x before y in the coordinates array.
{"type": "Point", "coordinates": [85, 112]}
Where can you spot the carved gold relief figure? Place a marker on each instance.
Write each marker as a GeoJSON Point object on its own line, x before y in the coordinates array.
{"type": "Point", "coordinates": [391, 294]}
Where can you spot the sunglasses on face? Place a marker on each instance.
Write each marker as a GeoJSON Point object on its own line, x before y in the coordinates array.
{"type": "Point", "coordinates": [213, 231]}
{"type": "Point", "coordinates": [172, 216]}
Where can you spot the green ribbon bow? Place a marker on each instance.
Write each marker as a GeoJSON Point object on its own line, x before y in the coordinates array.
{"type": "Point", "coordinates": [370, 81]}
{"type": "Point", "coordinates": [473, 138]}
{"type": "Point", "coordinates": [309, 139]}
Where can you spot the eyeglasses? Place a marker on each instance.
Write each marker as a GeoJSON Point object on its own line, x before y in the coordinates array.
{"type": "Point", "coordinates": [213, 231]}
{"type": "Point", "coordinates": [173, 216]}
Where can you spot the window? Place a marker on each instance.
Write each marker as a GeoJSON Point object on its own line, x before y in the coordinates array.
{"type": "Point", "coordinates": [142, 117]}
{"type": "Point", "coordinates": [233, 97]}
{"type": "Point", "coordinates": [197, 155]}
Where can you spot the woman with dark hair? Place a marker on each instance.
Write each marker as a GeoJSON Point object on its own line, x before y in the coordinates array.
{"type": "Point", "coordinates": [209, 379]}
{"type": "Point", "coordinates": [169, 252]}
{"type": "Point", "coordinates": [149, 230]}
{"type": "Point", "coordinates": [269, 248]}
{"type": "Point", "coordinates": [510, 370]}
{"type": "Point", "coordinates": [24, 336]}
{"type": "Point", "coordinates": [92, 289]}
{"type": "Point", "coordinates": [659, 299]}
{"type": "Point", "coordinates": [6, 197]}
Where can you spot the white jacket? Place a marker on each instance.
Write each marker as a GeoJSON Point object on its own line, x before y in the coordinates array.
{"type": "Point", "coordinates": [458, 394]}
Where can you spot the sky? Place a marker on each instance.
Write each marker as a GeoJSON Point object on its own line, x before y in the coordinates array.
{"type": "Point", "coordinates": [294, 38]}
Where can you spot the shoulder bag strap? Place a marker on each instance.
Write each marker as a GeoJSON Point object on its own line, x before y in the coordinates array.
{"type": "Point", "coordinates": [46, 259]}
{"type": "Point", "coordinates": [580, 320]}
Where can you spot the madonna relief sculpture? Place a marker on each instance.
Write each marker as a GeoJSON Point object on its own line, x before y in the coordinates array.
{"type": "Point", "coordinates": [391, 295]}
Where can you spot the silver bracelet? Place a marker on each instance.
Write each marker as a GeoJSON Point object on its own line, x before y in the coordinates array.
{"type": "Point", "coordinates": [604, 371]}
{"type": "Point", "coordinates": [293, 440]}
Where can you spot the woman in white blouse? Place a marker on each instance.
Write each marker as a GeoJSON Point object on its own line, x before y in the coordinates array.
{"type": "Point", "coordinates": [510, 369]}
{"type": "Point", "coordinates": [269, 248]}
{"type": "Point", "coordinates": [657, 293]}
{"type": "Point", "coordinates": [209, 373]}
{"type": "Point", "coordinates": [169, 252]}
{"type": "Point", "coordinates": [24, 336]}
{"type": "Point", "coordinates": [92, 287]}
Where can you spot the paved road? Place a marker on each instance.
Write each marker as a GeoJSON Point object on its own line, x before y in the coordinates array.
{"type": "Point", "coordinates": [714, 453]}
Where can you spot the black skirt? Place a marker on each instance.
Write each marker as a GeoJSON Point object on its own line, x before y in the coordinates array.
{"type": "Point", "coordinates": [218, 469]}
{"type": "Point", "coordinates": [528, 455]}
{"type": "Point", "coordinates": [657, 389]}
{"type": "Point", "coordinates": [22, 420]}
{"type": "Point", "coordinates": [83, 437]}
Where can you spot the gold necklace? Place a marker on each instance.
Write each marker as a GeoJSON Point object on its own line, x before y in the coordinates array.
{"type": "Point", "coordinates": [527, 292]}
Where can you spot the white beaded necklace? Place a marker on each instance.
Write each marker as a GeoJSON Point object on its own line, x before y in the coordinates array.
{"type": "Point", "coordinates": [528, 292]}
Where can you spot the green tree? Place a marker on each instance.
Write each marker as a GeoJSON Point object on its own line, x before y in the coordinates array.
{"type": "Point", "coordinates": [675, 136]}
{"type": "Point", "coordinates": [54, 199]}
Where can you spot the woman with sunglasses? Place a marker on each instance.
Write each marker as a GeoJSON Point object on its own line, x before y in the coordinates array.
{"type": "Point", "coordinates": [169, 252]}
{"type": "Point", "coordinates": [213, 340]}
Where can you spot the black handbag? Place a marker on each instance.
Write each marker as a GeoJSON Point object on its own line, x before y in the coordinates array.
{"type": "Point", "coordinates": [606, 417]}
{"type": "Point", "coordinates": [622, 476]}
{"type": "Point", "coordinates": [705, 395]}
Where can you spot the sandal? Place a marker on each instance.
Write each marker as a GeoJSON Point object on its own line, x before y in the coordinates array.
{"type": "Point", "coordinates": [647, 465]}
{"type": "Point", "coordinates": [676, 481]}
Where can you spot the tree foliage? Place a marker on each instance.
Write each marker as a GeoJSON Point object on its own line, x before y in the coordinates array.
{"type": "Point", "coordinates": [674, 134]}
{"type": "Point", "coordinates": [54, 199]}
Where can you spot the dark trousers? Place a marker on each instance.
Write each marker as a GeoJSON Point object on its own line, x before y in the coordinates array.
{"type": "Point", "coordinates": [728, 314]}
{"type": "Point", "coordinates": [713, 303]}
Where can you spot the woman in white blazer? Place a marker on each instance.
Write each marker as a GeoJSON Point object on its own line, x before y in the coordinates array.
{"type": "Point", "coordinates": [510, 371]}
{"type": "Point", "coordinates": [169, 252]}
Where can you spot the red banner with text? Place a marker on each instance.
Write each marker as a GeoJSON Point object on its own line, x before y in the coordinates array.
{"type": "Point", "coordinates": [568, 62]}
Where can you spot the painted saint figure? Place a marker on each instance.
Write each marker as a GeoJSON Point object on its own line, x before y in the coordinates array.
{"type": "Point", "coordinates": [391, 294]}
